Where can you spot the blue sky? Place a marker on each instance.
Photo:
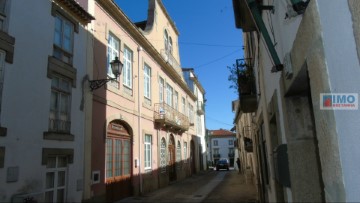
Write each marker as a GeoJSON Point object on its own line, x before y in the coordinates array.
{"type": "Point", "coordinates": [209, 42]}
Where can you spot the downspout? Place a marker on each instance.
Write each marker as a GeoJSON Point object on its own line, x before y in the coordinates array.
{"type": "Point", "coordinates": [262, 28]}
{"type": "Point", "coordinates": [139, 120]}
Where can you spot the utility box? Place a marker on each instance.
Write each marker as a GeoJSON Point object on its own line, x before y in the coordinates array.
{"type": "Point", "coordinates": [281, 165]}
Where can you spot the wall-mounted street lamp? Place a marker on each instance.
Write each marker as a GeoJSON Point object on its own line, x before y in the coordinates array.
{"type": "Point", "coordinates": [116, 68]}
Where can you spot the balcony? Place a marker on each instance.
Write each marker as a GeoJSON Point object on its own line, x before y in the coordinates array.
{"type": "Point", "coordinates": [247, 90]}
{"type": "Point", "coordinates": [57, 125]}
{"type": "Point", "coordinates": [168, 117]}
{"type": "Point", "coordinates": [200, 108]}
{"type": "Point", "coordinates": [216, 156]}
{"type": "Point", "coordinates": [169, 58]}
{"type": "Point", "coordinates": [231, 155]}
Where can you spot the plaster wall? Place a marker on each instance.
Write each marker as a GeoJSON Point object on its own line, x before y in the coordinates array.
{"type": "Point", "coordinates": [26, 102]}
{"type": "Point", "coordinates": [342, 62]}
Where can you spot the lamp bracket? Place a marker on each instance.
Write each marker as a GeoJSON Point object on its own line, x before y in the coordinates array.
{"type": "Point", "coordinates": [95, 84]}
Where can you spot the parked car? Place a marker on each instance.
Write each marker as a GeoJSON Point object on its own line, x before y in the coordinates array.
{"type": "Point", "coordinates": [222, 164]}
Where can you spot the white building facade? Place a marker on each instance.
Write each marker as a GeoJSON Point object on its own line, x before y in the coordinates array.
{"type": "Point", "coordinates": [301, 53]}
{"type": "Point", "coordinates": [42, 117]}
{"type": "Point", "coordinates": [221, 145]}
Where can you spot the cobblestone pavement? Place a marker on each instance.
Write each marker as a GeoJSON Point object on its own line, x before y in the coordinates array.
{"type": "Point", "coordinates": [206, 186]}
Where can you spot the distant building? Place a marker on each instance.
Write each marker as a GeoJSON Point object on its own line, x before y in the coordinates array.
{"type": "Point", "coordinates": [221, 145]}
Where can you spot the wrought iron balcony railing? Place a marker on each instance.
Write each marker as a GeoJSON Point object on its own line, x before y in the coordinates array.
{"type": "Point", "coordinates": [168, 116]}
{"type": "Point", "coordinates": [169, 58]}
{"type": "Point", "coordinates": [200, 108]}
{"type": "Point", "coordinates": [57, 125]}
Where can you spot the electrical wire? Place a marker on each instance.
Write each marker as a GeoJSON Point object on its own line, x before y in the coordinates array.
{"type": "Point", "coordinates": [218, 59]}
{"type": "Point", "coordinates": [208, 117]}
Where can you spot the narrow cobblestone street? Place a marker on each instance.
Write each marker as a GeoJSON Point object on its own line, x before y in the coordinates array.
{"type": "Point", "coordinates": [207, 186]}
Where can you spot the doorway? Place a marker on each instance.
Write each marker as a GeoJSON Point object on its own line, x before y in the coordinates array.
{"type": "Point", "coordinates": [118, 162]}
{"type": "Point", "coordinates": [172, 165]}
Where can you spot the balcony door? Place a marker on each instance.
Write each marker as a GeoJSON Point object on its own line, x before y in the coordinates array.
{"type": "Point", "coordinates": [172, 165]}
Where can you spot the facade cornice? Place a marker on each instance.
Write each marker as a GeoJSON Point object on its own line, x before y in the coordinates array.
{"type": "Point", "coordinates": [76, 10]}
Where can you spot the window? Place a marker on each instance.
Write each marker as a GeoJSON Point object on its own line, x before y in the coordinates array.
{"type": "Point", "coordinates": [183, 104]}
{"type": "Point", "coordinates": [59, 119]}
{"type": "Point", "coordinates": [2, 60]}
{"type": "Point", "coordinates": [55, 185]}
{"type": "Point", "coordinates": [191, 113]}
{"type": "Point", "coordinates": [117, 157]}
{"type": "Point", "coordinates": [215, 143]}
{"type": "Point", "coordinates": [185, 152]}
{"type": "Point", "coordinates": [231, 150]}
{"type": "Point", "coordinates": [2, 13]}
{"type": "Point", "coordinates": [168, 42]}
{"type": "Point", "coordinates": [147, 82]}
{"type": "Point", "coordinates": [176, 100]}
{"type": "Point", "coordinates": [127, 70]}
{"type": "Point", "coordinates": [199, 124]}
{"type": "Point", "coordinates": [169, 95]}
{"type": "Point", "coordinates": [161, 90]}
{"type": "Point", "coordinates": [216, 151]}
{"type": "Point", "coordinates": [163, 155]}
{"type": "Point", "coordinates": [63, 39]}
{"type": "Point", "coordinates": [112, 52]}
{"type": "Point", "coordinates": [231, 142]}
{"type": "Point", "coordinates": [147, 150]}
{"type": "Point", "coordinates": [178, 153]}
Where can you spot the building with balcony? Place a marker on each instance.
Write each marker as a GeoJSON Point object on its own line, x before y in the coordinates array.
{"type": "Point", "coordinates": [303, 56]}
{"type": "Point", "coordinates": [143, 133]}
{"type": "Point", "coordinates": [42, 70]}
{"type": "Point", "coordinates": [246, 142]}
{"type": "Point", "coordinates": [199, 118]}
{"type": "Point", "coordinates": [221, 145]}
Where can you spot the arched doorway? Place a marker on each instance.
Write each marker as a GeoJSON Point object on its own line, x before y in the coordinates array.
{"type": "Point", "coordinates": [118, 156]}
{"type": "Point", "coordinates": [192, 157]}
{"type": "Point", "coordinates": [172, 165]}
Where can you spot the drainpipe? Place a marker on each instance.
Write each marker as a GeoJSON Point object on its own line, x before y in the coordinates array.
{"type": "Point", "coordinates": [139, 120]}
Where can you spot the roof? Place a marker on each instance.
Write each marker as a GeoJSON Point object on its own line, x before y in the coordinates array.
{"type": "Point", "coordinates": [221, 132]}
{"type": "Point", "coordinates": [76, 10]}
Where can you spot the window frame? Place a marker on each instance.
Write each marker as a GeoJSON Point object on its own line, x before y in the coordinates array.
{"type": "Point", "coordinates": [163, 156]}
{"type": "Point", "coordinates": [169, 95]}
{"type": "Point", "coordinates": [147, 82]}
{"type": "Point", "coordinates": [57, 112]}
{"type": "Point", "coordinates": [215, 143]}
{"type": "Point", "coordinates": [161, 89]}
{"type": "Point", "coordinates": [185, 152]}
{"type": "Point", "coordinates": [59, 52]}
{"type": "Point", "coordinates": [113, 50]}
{"type": "Point", "coordinates": [148, 149]}
{"type": "Point", "coordinates": [128, 68]}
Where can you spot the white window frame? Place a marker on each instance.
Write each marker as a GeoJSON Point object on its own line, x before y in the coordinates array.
{"type": "Point", "coordinates": [169, 95]}
{"type": "Point", "coordinates": [148, 152]}
{"type": "Point", "coordinates": [216, 143]}
{"type": "Point", "coordinates": [127, 69]}
{"type": "Point", "coordinates": [176, 101]}
{"type": "Point", "coordinates": [185, 152]}
{"type": "Point", "coordinates": [178, 153]}
{"type": "Point", "coordinates": [113, 50]}
{"type": "Point", "coordinates": [163, 158]}
{"type": "Point", "coordinates": [147, 82]}
{"type": "Point", "coordinates": [56, 170]}
{"type": "Point", "coordinates": [161, 89]}
{"type": "Point", "coordinates": [183, 103]}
